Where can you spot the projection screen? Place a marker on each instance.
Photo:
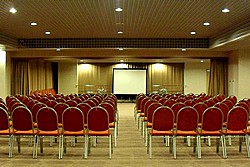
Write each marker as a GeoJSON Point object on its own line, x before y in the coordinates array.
{"type": "Point", "coordinates": [129, 81]}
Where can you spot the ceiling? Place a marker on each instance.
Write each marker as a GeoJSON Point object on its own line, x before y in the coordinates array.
{"type": "Point", "coordinates": [139, 19]}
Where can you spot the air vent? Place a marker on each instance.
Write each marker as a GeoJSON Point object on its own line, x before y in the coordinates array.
{"type": "Point", "coordinates": [114, 43]}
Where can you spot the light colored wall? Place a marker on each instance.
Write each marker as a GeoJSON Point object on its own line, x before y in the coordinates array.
{"type": "Point", "coordinates": [3, 92]}
{"type": "Point", "coordinates": [195, 77]}
{"type": "Point", "coordinates": [233, 73]}
{"type": "Point", "coordinates": [67, 77]}
{"type": "Point", "coordinates": [244, 74]}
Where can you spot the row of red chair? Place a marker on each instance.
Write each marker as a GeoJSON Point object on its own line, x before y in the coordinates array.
{"type": "Point", "coordinates": [47, 127]}
{"type": "Point", "coordinates": [42, 92]}
{"type": "Point", "coordinates": [149, 105]}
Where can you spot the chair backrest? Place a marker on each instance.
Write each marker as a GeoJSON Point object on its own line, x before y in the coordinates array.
{"type": "Point", "coordinates": [60, 100]}
{"type": "Point", "coordinates": [4, 119]}
{"type": "Point", "coordinates": [163, 119]}
{"type": "Point", "coordinates": [209, 102]}
{"type": "Point", "coordinates": [98, 119]}
{"type": "Point", "coordinates": [22, 119]}
{"type": "Point", "coordinates": [71, 103]}
{"type": "Point", "coordinates": [233, 99]}
{"type": "Point", "coordinates": [169, 102]}
{"type": "Point", "coordinates": [47, 119]}
{"type": "Point", "coordinates": [229, 103]}
{"type": "Point", "coordinates": [187, 119]}
{"type": "Point", "coordinates": [237, 118]}
{"type": "Point", "coordinates": [44, 100]}
{"type": "Point", "coordinates": [90, 102]}
{"type": "Point", "coordinates": [143, 102]}
{"type": "Point", "coordinates": [110, 109]}
{"type": "Point", "coordinates": [162, 100]}
{"type": "Point", "coordinates": [35, 109]}
{"type": "Point", "coordinates": [200, 108]}
{"type": "Point", "coordinates": [59, 108]}
{"type": "Point", "coordinates": [212, 119]}
{"type": "Point", "coordinates": [78, 100]}
{"type": "Point", "coordinates": [51, 103]}
{"type": "Point", "coordinates": [151, 108]}
{"type": "Point", "coordinates": [73, 119]}
{"type": "Point", "coordinates": [148, 103]}
{"type": "Point", "coordinates": [224, 108]}
{"type": "Point", "coordinates": [31, 103]}
{"type": "Point", "coordinates": [84, 107]}
{"type": "Point", "coordinates": [244, 105]}
{"type": "Point", "coordinates": [3, 105]}
{"type": "Point", "coordinates": [189, 103]}
{"type": "Point", "coordinates": [138, 101]}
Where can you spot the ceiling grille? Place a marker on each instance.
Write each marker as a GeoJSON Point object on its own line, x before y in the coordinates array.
{"type": "Point", "coordinates": [114, 43]}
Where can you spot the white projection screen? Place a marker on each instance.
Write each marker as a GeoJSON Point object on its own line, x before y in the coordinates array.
{"type": "Point", "coordinates": [129, 81]}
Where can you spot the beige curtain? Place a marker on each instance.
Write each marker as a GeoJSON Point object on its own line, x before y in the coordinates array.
{"type": "Point", "coordinates": [218, 77]}
{"type": "Point", "coordinates": [20, 78]}
{"type": "Point", "coordinates": [94, 76]}
{"type": "Point", "coordinates": [40, 75]}
{"type": "Point", "coordinates": [31, 75]}
{"type": "Point", "coordinates": [165, 76]}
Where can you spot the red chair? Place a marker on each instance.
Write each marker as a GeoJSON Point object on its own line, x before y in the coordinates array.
{"type": "Point", "coordinates": [98, 126]}
{"type": "Point", "coordinates": [35, 109]}
{"type": "Point", "coordinates": [176, 108]}
{"type": "Point", "coordinates": [73, 125]}
{"type": "Point", "coordinates": [200, 108]}
{"type": "Point", "coordinates": [189, 103]}
{"type": "Point", "coordinates": [84, 107]}
{"type": "Point", "coordinates": [22, 124]}
{"type": "Point", "coordinates": [51, 103]}
{"type": "Point", "coordinates": [71, 103]}
{"type": "Point", "coordinates": [59, 108]}
{"type": "Point", "coordinates": [169, 103]}
{"type": "Point", "coordinates": [237, 120]}
{"type": "Point", "coordinates": [148, 122]}
{"type": "Point", "coordinates": [186, 125]}
{"type": "Point", "coordinates": [5, 130]}
{"type": "Point", "coordinates": [47, 125]}
{"type": "Point", "coordinates": [112, 122]}
{"type": "Point", "coordinates": [162, 125]}
{"type": "Point", "coordinates": [212, 126]}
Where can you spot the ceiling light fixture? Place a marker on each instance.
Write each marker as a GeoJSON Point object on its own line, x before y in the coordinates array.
{"type": "Point", "coordinates": [118, 9]}
{"type": "Point", "coordinates": [193, 32]}
{"type": "Point", "coordinates": [47, 33]}
{"type": "Point", "coordinates": [225, 10]}
{"type": "Point", "coordinates": [202, 61]}
{"type": "Point", "coordinates": [33, 24]}
{"type": "Point", "coordinates": [12, 10]}
{"type": "Point", "coordinates": [183, 49]}
{"type": "Point", "coordinates": [120, 49]}
{"type": "Point", "coordinates": [206, 24]}
{"type": "Point", "coordinates": [120, 32]}
{"type": "Point", "coordinates": [58, 49]}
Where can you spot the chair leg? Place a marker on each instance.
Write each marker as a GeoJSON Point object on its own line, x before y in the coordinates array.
{"type": "Point", "coordinates": [18, 144]}
{"type": "Point", "coordinates": [59, 147]}
{"type": "Point", "coordinates": [199, 146]}
{"type": "Point", "coordinates": [247, 145]}
{"type": "Point", "coordinates": [224, 147]}
{"type": "Point", "coordinates": [11, 138]}
{"type": "Point", "coordinates": [86, 147]}
{"type": "Point", "coordinates": [229, 140]}
{"type": "Point", "coordinates": [34, 146]}
{"type": "Point", "coordinates": [150, 146]}
{"type": "Point", "coordinates": [174, 146]}
{"type": "Point", "coordinates": [110, 146]}
{"type": "Point", "coordinates": [188, 141]}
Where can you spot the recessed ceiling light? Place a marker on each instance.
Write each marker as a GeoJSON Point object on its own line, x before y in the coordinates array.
{"type": "Point", "coordinates": [58, 49]}
{"type": "Point", "coordinates": [206, 24]}
{"type": "Point", "coordinates": [193, 32]}
{"type": "Point", "coordinates": [183, 49]}
{"type": "Point", "coordinates": [12, 10]}
{"type": "Point", "coordinates": [120, 49]}
{"type": "Point", "coordinates": [33, 24]}
{"type": "Point", "coordinates": [202, 61]}
{"type": "Point", "coordinates": [225, 10]}
{"type": "Point", "coordinates": [120, 32]}
{"type": "Point", "coordinates": [47, 32]}
{"type": "Point", "coordinates": [121, 60]}
{"type": "Point", "coordinates": [81, 60]}
{"type": "Point", "coordinates": [118, 9]}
